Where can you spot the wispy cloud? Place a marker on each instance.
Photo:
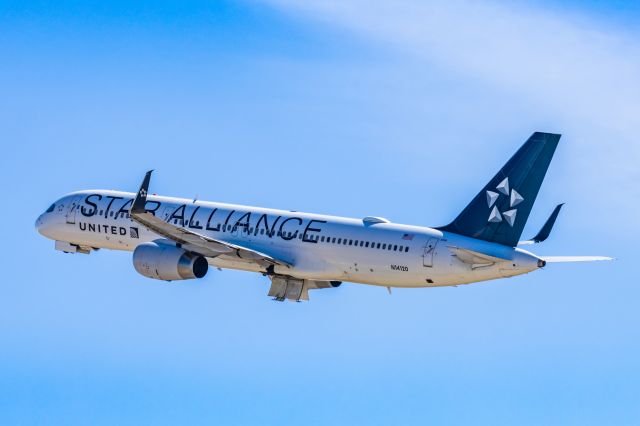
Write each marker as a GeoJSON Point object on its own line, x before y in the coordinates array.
{"type": "Point", "coordinates": [584, 73]}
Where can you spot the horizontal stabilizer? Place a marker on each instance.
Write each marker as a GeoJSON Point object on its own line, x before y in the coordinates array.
{"type": "Point", "coordinates": [544, 232]}
{"type": "Point", "coordinates": [565, 259]}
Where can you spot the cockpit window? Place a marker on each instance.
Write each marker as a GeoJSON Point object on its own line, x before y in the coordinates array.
{"type": "Point", "coordinates": [50, 209]}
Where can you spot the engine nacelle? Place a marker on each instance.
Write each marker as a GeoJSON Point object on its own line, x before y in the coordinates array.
{"type": "Point", "coordinates": [168, 263]}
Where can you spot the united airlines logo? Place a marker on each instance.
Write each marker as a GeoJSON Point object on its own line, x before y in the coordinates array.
{"type": "Point", "coordinates": [514, 199]}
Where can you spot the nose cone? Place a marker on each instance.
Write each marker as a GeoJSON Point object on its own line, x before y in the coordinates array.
{"type": "Point", "coordinates": [39, 223]}
{"type": "Point", "coordinates": [43, 225]}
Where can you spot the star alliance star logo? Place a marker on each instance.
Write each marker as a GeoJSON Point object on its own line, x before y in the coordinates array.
{"type": "Point", "coordinates": [514, 199]}
{"type": "Point", "coordinates": [143, 193]}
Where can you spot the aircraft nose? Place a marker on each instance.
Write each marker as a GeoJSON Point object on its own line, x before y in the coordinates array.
{"type": "Point", "coordinates": [43, 225]}
{"type": "Point", "coordinates": [39, 224]}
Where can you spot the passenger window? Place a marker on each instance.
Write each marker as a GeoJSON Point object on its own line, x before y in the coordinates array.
{"type": "Point", "coordinates": [339, 240]}
{"type": "Point", "coordinates": [350, 242]}
{"type": "Point", "coordinates": [101, 212]}
{"type": "Point", "coordinates": [406, 249]}
{"type": "Point", "coordinates": [378, 245]}
{"type": "Point", "coordinates": [366, 244]}
{"type": "Point", "coordinates": [389, 247]}
{"type": "Point", "coordinates": [262, 232]}
{"type": "Point", "coordinates": [344, 242]}
{"type": "Point", "coordinates": [333, 240]}
{"type": "Point", "coordinates": [384, 246]}
{"type": "Point", "coordinates": [395, 247]}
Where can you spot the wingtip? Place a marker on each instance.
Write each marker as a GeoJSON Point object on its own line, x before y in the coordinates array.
{"type": "Point", "coordinates": [138, 205]}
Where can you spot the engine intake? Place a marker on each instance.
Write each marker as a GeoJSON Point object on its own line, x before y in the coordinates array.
{"type": "Point", "coordinates": [168, 263]}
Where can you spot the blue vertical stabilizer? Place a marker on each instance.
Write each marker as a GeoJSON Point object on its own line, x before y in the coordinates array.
{"type": "Point", "coordinates": [499, 212]}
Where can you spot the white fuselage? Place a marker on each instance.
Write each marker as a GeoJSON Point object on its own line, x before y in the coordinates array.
{"type": "Point", "coordinates": [370, 251]}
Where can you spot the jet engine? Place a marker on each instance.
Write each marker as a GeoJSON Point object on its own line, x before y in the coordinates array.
{"type": "Point", "coordinates": [167, 262]}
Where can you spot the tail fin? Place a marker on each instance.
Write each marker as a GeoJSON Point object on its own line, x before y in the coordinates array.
{"type": "Point", "coordinates": [499, 212]}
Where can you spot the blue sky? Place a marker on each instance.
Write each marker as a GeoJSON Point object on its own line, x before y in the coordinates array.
{"type": "Point", "coordinates": [397, 109]}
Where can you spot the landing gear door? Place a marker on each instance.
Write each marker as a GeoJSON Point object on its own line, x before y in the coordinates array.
{"type": "Point", "coordinates": [429, 251]}
{"type": "Point", "coordinates": [73, 208]}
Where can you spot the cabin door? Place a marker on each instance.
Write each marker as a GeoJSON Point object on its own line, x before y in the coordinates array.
{"type": "Point", "coordinates": [429, 251]}
{"type": "Point", "coordinates": [73, 208]}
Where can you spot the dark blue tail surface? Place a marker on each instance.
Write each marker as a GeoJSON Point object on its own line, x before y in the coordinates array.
{"type": "Point", "coordinates": [499, 212]}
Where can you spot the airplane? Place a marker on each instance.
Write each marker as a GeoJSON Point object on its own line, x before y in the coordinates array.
{"type": "Point", "coordinates": [176, 239]}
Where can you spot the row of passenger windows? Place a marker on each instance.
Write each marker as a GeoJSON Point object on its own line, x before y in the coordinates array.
{"type": "Point", "coordinates": [332, 240]}
{"type": "Point", "coordinates": [365, 244]}
{"type": "Point", "coordinates": [111, 213]}
{"type": "Point", "coordinates": [316, 238]}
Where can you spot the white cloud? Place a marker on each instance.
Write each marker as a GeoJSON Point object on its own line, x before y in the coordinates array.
{"type": "Point", "coordinates": [583, 73]}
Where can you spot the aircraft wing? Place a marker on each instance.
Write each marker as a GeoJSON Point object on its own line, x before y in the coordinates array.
{"type": "Point", "coordinates": [202, 244]}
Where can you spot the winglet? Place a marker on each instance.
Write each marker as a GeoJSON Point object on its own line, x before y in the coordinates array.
{"type": "Point", "coordinates": [544, 232]}
{"type": "Point", "coordinates": [139, 202]}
